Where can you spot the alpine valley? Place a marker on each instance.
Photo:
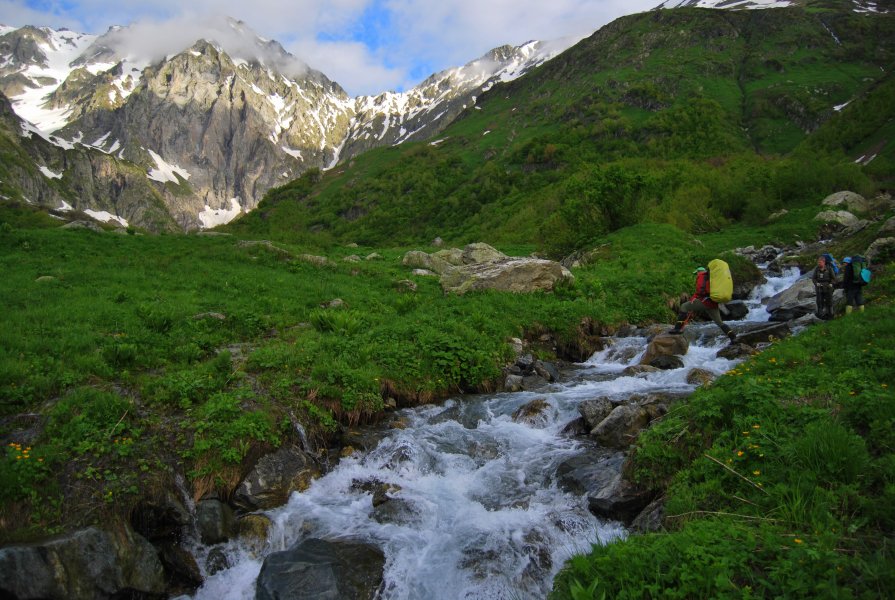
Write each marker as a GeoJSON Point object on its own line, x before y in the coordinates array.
{"type": "Point", "coordinates": [261, 339]}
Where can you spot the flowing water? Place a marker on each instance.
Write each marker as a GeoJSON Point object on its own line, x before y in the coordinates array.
{"type": "Point", "coordinates": [476, 509]}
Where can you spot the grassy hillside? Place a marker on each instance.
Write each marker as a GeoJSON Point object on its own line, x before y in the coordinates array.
{"type": "Point", "coordinates": [779, 479]}
{"type": "Point", "coordinates": [694, 117]}
{"type": "Point", "coordinates": [200, 351]}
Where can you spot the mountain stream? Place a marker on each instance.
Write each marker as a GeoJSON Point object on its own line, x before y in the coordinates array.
{"type": "Point", "coordinates": [481, 513]}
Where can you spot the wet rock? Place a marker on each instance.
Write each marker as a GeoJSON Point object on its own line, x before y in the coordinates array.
{"type": "Point", "coordinates": [591, 471]}
{"type": "Point", "coordinates": [650, 518]}
{"type": "Point", "coordinates": [526, 363]}
{"type": "Point", "coordinates": [84, 565]}
{"type": "Point", "coordinates": [622, 426]}
{"type": "Point", "coordinates": [160, 518]}
{"type": "Point", "coordinates": [254, 530]}
{"type": "Point", "coordinates": [667, 362]}
{"type": "Point", "coordinates": [217, 561]}
{"type": "Point", "coordinates": [620, 501]}
{"type": "Point", "coordinates": [533, 383]}
{"type": "Point", "coordinates": [182, 571]}
{"type": "Point", "coordinates": [534, 413]}
{"type": "Point", "coordinates": [275, 477]}
{"type": "Point", "coordinates": [547, 370]}
{"type": "Point", "coordinates": [378, 489]}
{"type": "Point", "coordinates": [594, 411]}
{"type": "Point", "coordinates": [735, 311]}
{"type": "Point", "coordinates": [700, 377]}
{"type": "Point", "coordinates": [513, 383]}
{"type": "Point", "coordinates": [735, 351]}
{"type": "Point", "coordinates": [321, 569]}
{"type": "Point", "coordinates": [397, 511]}
{"type": "Point", "coordinates": [215, 521]}
{"type": "Point", "coordinates": [635, 370]}
{"type": "Point", "coordinates": [764, 333]}
{"type": "Point", "coordinates": [575, 428]}
{"type": "Point", "coordinates": [665, 344]}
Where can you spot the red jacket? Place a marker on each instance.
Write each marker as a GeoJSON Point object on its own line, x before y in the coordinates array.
{"type": "Point", "coordinates": [703, 290]}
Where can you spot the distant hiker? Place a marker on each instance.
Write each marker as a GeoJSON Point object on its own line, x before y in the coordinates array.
{"type": "Point", "coordinates": [701, 302]}
{"type": "Point", "coordinates": [824, 279]}
{"type": "Point", "coordinates": [854, 279]}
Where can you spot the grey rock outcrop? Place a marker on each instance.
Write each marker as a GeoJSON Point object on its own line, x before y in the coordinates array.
{"type": "Point", "coordinates": [88, 564]}
{"type": "Point", "coordinates": [850, 201]}
{"type": "Point", "coordinates": [764, 333]}
{"type": "Point", "coordinates": [881, 250]}
{"type": "Point", "coordinates": [519, 275]}
{"type": "Point", "coordinates": [323, 570]}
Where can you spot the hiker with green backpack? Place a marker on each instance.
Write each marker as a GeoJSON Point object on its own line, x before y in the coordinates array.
{"type": "Point", "coordinates": [855, 276]}
{"type": "Point", "coordinates": [714, 286]}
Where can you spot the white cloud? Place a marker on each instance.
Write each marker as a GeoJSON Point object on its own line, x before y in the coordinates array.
{"type": "Point", "coordinates": [330, 35]}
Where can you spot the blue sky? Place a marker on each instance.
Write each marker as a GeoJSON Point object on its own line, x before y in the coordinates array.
{"type": "Point", "coordinates": [367, 46]}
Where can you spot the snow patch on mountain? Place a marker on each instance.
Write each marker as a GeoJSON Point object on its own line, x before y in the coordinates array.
{"type": "Point", "coordinates": [105, 216]}
{"type": "Point", "coordinates": [165, 171]}
{"type": "Point", "coordinates": [61, 49]}
{"type": "Point", "coordinates": [212, 217]}
{"type": "Point", "coordinates": [50, 174]}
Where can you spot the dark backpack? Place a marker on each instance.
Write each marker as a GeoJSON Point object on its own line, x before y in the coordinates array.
{"type": "Point", "coordinates": [860, 272]}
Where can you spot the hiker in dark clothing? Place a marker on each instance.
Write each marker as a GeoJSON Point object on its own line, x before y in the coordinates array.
{"type": "Point", "coordinates": [702, 303]}
{"type": "Point", "coordinates": [854, 295]}
{"type": "Point", "coordinates": [824, 279]}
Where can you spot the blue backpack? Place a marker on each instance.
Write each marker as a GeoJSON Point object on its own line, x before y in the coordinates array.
{"type": "Point", "coordinates": [831, 262]}
{"type": "Point", "coordinates": [860, 273]}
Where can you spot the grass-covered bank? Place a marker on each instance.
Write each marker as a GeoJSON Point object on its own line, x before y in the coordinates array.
{"type": "Point", "coordinates": [125, 359]}
{"type": "Point", "coordinates": [779, 479]}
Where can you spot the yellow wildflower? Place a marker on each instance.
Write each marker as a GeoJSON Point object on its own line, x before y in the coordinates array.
{"type": "Point", "coordinates": [739, 452]}
{"type": "Point", "coordinates": [756, 472]}
{"type": "Point", "coordinates": [797, 540]}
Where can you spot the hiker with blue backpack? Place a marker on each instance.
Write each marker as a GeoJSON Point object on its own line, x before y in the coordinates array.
{"type": "Point", "coordinates": [855, 276]}
{"type": "Point", "coordinates": [824, 279]}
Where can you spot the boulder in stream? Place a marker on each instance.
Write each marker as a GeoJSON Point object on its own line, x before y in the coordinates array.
{"type": "Point", "coordinates": [665, 344]}
{"type": "Point", "coordinates": [322, 570]}
{"type": "Point", "coordinates": [274, 477]}
{"type": "Point", "coordinates": [215, 520]}
{"type": "Point", "coordinates": [667, 362]}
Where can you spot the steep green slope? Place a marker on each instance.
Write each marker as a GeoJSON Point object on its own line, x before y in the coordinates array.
{"type": "Point", "coordinates": [688, 116]}
{"type": "Point", "coordinates": [778, 479]}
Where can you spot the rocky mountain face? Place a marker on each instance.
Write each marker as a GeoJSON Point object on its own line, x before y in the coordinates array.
{"type": "Point", "coordinates": [215, 126]}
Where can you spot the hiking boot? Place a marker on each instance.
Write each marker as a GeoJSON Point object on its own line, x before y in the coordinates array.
{"type": "Point", "coordinates": [732, 336]}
